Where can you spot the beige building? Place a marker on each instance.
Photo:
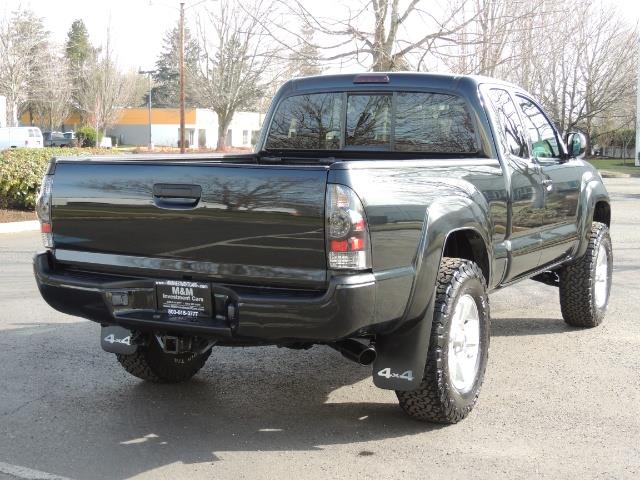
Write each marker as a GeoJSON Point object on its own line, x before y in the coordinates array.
{"type": "Point", "coordinates": [201, 127]}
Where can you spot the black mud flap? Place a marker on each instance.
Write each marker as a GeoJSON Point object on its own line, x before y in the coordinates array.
{"type": "Point", "coordinates": [116, 339]}
{"type": "Point", "coordinates": [402, 355]}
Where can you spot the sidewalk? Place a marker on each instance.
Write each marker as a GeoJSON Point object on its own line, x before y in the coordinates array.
{"type": "Point", "coordinates": [15, 227]}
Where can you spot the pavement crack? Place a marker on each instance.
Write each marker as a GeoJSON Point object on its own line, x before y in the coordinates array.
{"type": "Point", "coordinates": [21, 406]}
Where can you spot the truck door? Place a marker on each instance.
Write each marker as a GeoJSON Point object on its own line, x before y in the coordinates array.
{"type": "Point", "coordinates": [560, 180]}
{"type": "Point", "coordinates": [525, 185]}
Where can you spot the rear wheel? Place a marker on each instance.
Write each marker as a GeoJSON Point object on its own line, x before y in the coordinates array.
{"type": "Point", "coordinates": [458, 348]}
{"type": "Point", "coordinates": [152, 364]}
{"type": "Point", "coordinates": [585, 284]}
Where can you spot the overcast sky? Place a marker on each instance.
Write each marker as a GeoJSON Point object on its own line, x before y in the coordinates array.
{"type": "Point", "coordinates": [138, 26]}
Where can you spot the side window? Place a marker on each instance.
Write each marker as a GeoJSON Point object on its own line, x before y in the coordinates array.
{"type": "Point", "coordinates": [511, 130]}
{"type": "Point", "coordinates": [544, 141]}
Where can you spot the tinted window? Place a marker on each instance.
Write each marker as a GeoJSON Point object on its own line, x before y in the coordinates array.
{"type": "Point", "coordinates": [544, 142]}
{"type": "Point", "coordinates": [512, 137]}
{"type": "Point", "coordinates": [433, 122]}
{"type": "Point", "coordinates": [369, 120]}
{"type": "Point", "coordinates": [422, 122]}
{"type": "Point", "coordinates": [307, 122]}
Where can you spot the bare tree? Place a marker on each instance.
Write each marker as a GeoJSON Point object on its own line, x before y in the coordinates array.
{"type": "Point", "coordinates": [495, 34]}
{"type": "Point", "coordinates": [586, 73]}
{"type": "Point", "coordinates": [23, 42]}
{"type": "Point", "coordinates": [609, 65]}
{"type": "Point", "coordinates": [106, 89]}
{"type": "Point", "coordinates": [577, 56]}
{"type": "Point", "coordinates": [380, 34]}
{"type": "Point", "coordinates": [50, 93]}
{"type": "Point", "coordinates": [236, 55]}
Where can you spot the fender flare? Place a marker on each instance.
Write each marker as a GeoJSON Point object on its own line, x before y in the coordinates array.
{"type": "Point", "coordinates": [402, 353]}
{"type": "Point", "coordinates": [592, 191]}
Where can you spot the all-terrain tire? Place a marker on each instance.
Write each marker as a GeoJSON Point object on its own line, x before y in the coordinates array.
{"type": "Point", "coordinates": [150, 363]}
{"type": "Point", "coordinates": [579, 302]}
{"type": "Point", "coordinates": [437, 399]}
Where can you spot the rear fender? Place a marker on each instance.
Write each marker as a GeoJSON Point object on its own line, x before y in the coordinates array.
{"type": "Point", "coordinates": [402, 354]}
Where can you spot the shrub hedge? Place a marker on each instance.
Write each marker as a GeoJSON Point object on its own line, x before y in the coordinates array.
{"type": "Point", "coordinates": [21, 171]}
{"type": "Point", "coordinates": [86, 136]}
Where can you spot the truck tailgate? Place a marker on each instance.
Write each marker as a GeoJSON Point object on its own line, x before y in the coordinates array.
{"type": "Point", "coordinates": [249, 224]}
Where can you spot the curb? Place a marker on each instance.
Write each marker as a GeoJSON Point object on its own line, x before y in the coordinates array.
{"type": "Point", "coordinates": [16, 227]}
{"type": "Point", "coordinates": [607, 174]}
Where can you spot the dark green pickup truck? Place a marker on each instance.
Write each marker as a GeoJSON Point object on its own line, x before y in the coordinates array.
{"type": "Point", "coordinates": [376, 214]}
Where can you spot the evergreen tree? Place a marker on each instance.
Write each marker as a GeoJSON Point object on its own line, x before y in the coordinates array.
{"type": "Point", "coordinates": [78, 48]}
{"type": "Point", "coordinates": [305, 60]}
{"type": "Point", "coordinates": [166, 92]}
{"type": "Point", "coordinates": [80, 56]}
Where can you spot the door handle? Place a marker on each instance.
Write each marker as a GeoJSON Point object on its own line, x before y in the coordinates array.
{"type": "Point", "coordinates": [176, 190]}
{"type": "Point", "coordinates": [548, 184]}
{"type": "Point", "coordinates": [176, 196]}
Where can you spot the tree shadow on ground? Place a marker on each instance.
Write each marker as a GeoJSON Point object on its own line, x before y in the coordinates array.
{"type": "Point", "coordinates": [71, 405]}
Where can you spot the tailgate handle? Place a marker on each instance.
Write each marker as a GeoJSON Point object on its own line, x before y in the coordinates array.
{"type": "Point", "coordinates": [172, 190]}
{"type": "Point", "coordinates": [176, 196]}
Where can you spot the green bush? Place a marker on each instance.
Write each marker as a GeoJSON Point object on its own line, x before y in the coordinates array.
{"type": "Point", "coordinates": [21, 171]}
{"type": "Point", "coordinates": [86, 136]}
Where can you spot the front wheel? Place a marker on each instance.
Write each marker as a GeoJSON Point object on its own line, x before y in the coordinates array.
{"type": "Point", "coordinates": [458, 348]}
{"type": "Point", "coordinates": [585, 284]}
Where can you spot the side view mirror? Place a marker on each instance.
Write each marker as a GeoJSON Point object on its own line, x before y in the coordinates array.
{"type": "Point", "coordinates": [576, 144]}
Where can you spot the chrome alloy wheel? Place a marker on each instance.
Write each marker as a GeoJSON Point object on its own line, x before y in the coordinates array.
{"type": "Point", "coordinates": [464, 344]}
{"type": "Point", "coordinates": [601, 286]}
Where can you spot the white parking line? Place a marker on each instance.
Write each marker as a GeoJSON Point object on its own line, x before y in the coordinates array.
{"type": "Point", "coordinates": [27, 473]}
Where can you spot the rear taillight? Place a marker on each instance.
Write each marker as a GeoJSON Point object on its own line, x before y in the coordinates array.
{"type": "Point", "coordinates": [348, 243]}
{"type": "Point", "coordinates": [43, 209]}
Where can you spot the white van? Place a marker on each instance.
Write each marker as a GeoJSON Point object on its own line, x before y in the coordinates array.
{"type": "Point", "coordinates": [20, 137]}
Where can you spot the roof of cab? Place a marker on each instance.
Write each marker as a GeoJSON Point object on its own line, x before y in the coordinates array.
{"type": "Point", "coordinates": [397, 80]}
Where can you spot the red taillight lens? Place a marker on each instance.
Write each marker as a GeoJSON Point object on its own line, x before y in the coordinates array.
{"type": "Point", "coordinates": [43, 209]}
{"type": "Point", "coordinates": [339, 246]}
{"type": "Point", "coordinates": [347, 231]}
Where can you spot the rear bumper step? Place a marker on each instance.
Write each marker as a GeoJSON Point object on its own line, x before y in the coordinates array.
{"type": "Point", "coordinates": [346, 307]}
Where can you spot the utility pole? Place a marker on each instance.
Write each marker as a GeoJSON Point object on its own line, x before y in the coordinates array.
{"type": "Point", "coordinates": [182, 149]}
{"type": "Point", "coordinates": [148, 73]}
{"type": "Point", "coordinates": [181, 69]}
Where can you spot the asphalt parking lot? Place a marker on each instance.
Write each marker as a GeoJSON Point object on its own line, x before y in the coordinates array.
{"type": "Point", "coordinates": [557, 402]}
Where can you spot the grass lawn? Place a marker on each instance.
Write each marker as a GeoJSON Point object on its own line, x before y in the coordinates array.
{"type": "Point", "coordinates": [615, 165]}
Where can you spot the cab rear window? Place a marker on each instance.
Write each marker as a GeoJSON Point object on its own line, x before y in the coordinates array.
{"type": "Point", "coordinates": [400, 121]}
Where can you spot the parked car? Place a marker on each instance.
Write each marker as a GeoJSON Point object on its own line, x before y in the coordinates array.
{"type": "Point", "coordinates": [376, 214]}
{"type": "Point", "coordinates": [20, 137]}
{"type": "Point", "coordinates": [59, 139]}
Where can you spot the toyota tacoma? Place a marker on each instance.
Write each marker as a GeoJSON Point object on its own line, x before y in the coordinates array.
{"type": "Point", "coordinates": [375, 215]}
